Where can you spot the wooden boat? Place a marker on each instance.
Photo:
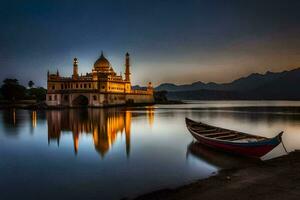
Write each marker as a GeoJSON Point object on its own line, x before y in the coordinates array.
{"type": "Point", "coordinates": [232, 141]}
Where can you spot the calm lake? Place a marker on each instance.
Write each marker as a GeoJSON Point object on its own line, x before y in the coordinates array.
{"type": "Point", "coordinates": [124, 152]}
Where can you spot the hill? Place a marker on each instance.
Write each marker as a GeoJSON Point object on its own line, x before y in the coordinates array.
{"type": "Point", "coordinates": [268, 86]}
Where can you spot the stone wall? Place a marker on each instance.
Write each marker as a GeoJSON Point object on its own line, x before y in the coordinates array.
{"type": "Point", "coordinates": [96, 99]}
{"type": "Point", "coordinates": [139, 98]}
{"type": "Point", "coordinates": [53, 99]}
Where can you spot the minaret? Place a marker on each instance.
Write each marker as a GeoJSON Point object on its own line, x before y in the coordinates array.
{"type": "Point", "coordinates": [75, 68]}
{"type": "Point", "coordinates": [150, 88]}
{"type": "Point", "coordinates": [127, 68]}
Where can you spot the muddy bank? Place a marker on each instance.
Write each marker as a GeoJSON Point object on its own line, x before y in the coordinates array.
{"type": "Point", "coordinates": [274, 179]}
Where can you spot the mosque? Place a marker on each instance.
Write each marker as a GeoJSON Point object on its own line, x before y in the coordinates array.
{"type": "Point", "coordinates": [102, 87]}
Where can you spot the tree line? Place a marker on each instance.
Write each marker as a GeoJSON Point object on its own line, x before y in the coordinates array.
{"type": "Point", "coordinates": [12, 90]}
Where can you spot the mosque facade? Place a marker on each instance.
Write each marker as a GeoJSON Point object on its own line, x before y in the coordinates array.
{"type": "Point", "coordinates": [99, 88]}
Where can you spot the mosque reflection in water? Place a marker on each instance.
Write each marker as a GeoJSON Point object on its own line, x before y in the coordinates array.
{"type": "Point", "coordinates": [103, 124]}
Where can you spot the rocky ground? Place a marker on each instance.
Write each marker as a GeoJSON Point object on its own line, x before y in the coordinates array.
{"type": "Point", "coordinates": [274, 179]}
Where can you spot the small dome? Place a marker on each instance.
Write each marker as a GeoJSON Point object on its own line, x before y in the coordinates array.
{"type": "Point", "coordinates": [75, 61]}
{"type": "Point", "coordinates": [102, 63]}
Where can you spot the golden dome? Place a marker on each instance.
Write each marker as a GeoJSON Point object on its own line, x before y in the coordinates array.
{"type": "Point", "coordinates": [102, 63]}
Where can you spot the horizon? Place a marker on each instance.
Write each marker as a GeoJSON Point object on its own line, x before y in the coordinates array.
{"type": "Point", "coordinates": [230, 81]}
{"type": "Point", "coordinates": [177, 84]}
{"type": "Point", "coordinates": [194, 41]}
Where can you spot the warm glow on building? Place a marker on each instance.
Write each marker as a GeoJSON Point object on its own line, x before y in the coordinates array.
{"type": "Point", "coordinates": [101, 87]}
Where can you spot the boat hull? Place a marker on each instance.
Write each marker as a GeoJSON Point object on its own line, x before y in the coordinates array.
{"type": "Point", "coordinates": [250, 149]}
{"type": "Point", "coordinates": [246, 150]}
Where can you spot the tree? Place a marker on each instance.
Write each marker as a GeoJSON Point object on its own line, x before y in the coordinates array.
{"type": "Point", "coordinates": [12, 90]}
{"type": "Point", "coordinates": [30, 84]}
{"type": "Point", "coordinates": [38, 93]}
{"type": "Point", "coordinates": [160, 96]}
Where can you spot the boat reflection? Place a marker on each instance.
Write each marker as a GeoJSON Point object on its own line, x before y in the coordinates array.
{"type": "Point", "coordinates": [103, 124]}
{"type": "Point", "coordinates": [216, 158]}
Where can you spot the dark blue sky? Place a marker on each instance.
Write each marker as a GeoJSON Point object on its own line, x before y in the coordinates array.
{"type": "Point", "coordinates": [169, 41]}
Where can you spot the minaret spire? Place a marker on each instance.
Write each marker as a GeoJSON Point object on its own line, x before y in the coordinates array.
{"type": "Point", "coordinates": [127, 67]}
{"type": "Point", "coordinates": [75, 68]}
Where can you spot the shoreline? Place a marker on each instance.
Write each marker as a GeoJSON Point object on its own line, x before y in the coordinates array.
{"type": "Point", "coordinates": [278, 178]}
{"type": "Point", "coordinates": [43, 106]}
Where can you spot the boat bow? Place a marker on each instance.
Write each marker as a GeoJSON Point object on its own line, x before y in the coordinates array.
{"type": "Point", "coordinates": [232, 141]}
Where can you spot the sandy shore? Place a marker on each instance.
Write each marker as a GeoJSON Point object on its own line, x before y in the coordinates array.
{"type": "Point", "coordinates": [274, 179]}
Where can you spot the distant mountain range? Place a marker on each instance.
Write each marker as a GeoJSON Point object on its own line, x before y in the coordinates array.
{"type": "Point", "coordinates": [269, 86]}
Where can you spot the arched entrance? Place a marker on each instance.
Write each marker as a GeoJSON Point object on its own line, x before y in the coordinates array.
{"type": "Point", "coordinates": [81, 100]}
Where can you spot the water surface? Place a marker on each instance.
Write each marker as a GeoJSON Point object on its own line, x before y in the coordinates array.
{"type": "Point", "coordinates": [123, 152]}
